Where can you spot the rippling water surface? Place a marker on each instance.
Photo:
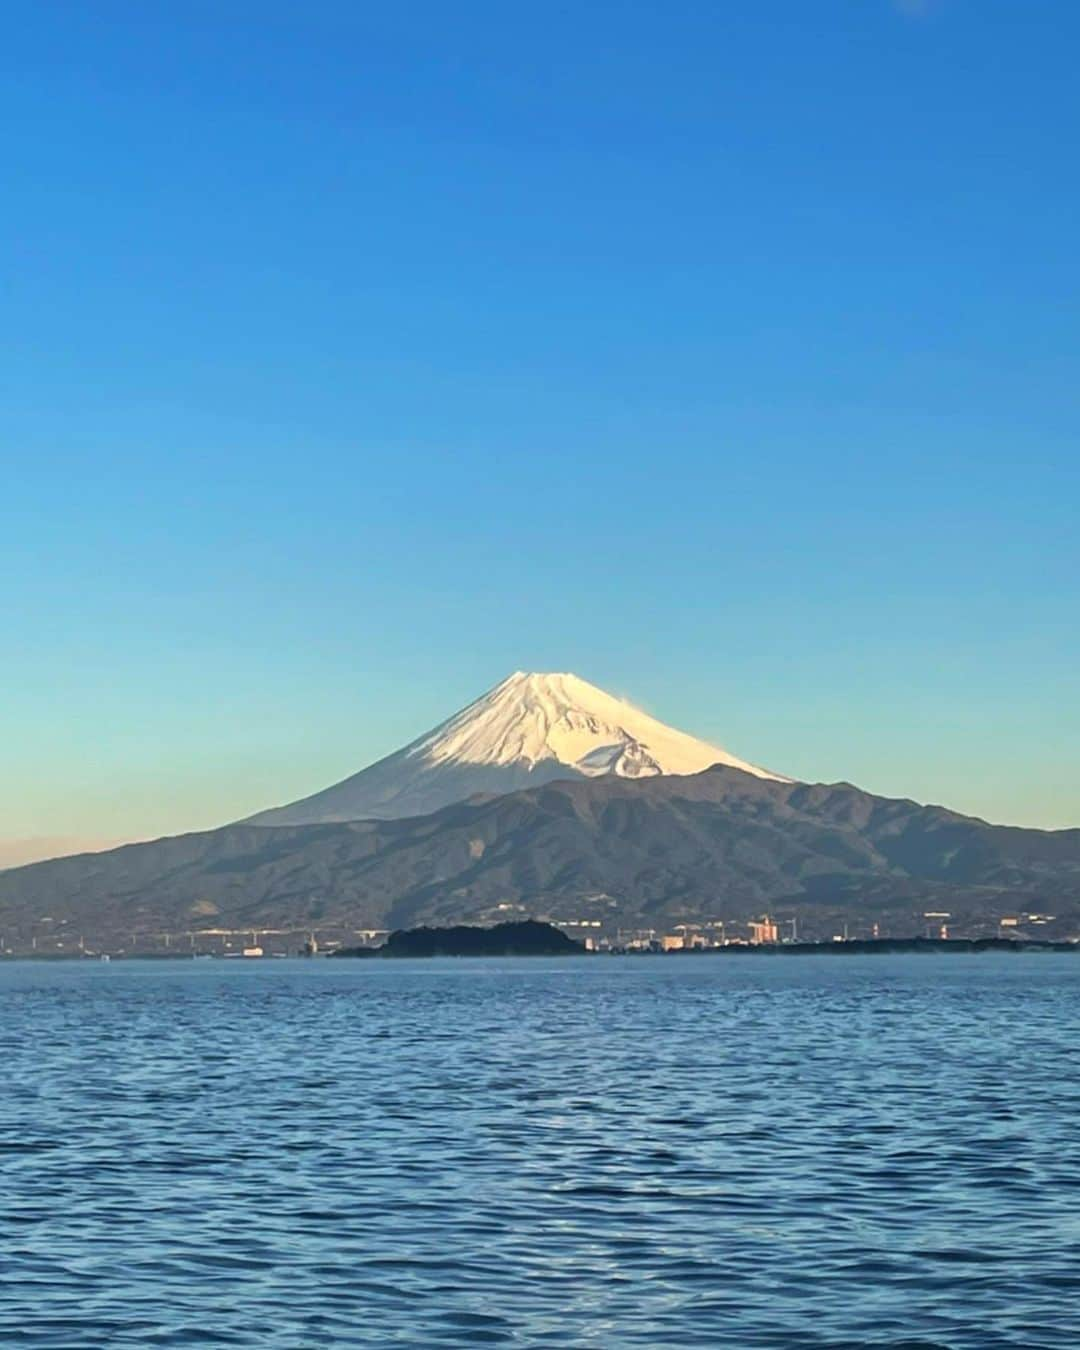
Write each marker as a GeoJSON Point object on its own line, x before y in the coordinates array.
{"type": "Point", "coordinates": [757, 1151]}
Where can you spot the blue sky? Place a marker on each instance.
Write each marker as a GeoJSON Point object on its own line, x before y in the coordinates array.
{"type": "Point", "coordinates": [355, 355]}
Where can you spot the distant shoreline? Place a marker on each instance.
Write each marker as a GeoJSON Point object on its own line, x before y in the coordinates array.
{"type": "Point", "coordinates": [435, 943]}
{"type": "Point", "coordinates": [874, 947]}
{"type": "Point", "coordinates": [444, 950]}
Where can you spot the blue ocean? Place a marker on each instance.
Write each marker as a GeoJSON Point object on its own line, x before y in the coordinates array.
{"type": "Point", "coordinates": [751, 1151]}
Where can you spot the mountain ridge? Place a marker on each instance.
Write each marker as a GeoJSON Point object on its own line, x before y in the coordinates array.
{"type": "Point", "coordinates": [718, 844]}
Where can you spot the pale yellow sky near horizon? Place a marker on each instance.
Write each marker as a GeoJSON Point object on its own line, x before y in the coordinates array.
{"type": "Point", "coordinates": [19, 852]}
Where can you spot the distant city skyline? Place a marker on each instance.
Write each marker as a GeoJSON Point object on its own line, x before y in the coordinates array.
{"type": "Point", "coordinates": [355, 359]}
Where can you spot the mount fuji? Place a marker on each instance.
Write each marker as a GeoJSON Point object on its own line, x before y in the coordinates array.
{"type": "Point", "coordinates": [648, 826]}
{"type": "Point", "coordinates": [529, 730]}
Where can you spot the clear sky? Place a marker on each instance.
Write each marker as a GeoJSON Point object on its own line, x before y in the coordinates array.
{"type": "Point", "coordinates": [355, 355]}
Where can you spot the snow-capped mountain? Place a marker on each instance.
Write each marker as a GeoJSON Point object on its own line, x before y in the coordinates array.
{"type": "Point", "coordinates": [528, 730]}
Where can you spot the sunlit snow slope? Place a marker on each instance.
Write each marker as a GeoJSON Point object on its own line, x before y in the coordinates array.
{"type": "Point", "coordinates": [530, 729]}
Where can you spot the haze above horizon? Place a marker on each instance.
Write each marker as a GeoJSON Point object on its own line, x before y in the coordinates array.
{"type": "Point", "coordinates": [356, 358]}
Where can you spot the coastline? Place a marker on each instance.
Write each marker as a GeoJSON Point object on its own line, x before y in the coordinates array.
{"type": "Point", "coordinates": [854, 947]}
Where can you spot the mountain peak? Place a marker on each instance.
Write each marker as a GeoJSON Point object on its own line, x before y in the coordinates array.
{"type": "Point", "coordinates": [531, 728]}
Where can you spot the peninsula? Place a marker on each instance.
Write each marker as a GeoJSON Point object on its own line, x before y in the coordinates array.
{"type": "Point", "coordinates": [527, 938]}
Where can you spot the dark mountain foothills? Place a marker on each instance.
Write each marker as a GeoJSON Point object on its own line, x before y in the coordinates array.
{"type": "Point", "coordinates": [527, 938]}
{"type": "Point", "coordinates": [719, 844]}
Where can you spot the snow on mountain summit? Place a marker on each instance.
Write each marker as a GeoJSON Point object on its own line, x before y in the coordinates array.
{"type": "Point", "coordinates": [534, 718]}
{"type": "Point", "coordinates": [530, 729]}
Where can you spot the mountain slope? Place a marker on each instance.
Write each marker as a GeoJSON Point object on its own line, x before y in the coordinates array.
{"type": "Point", "coordinates": [528, 730]}
{"type": "Point", "coordinates": [720, 844]}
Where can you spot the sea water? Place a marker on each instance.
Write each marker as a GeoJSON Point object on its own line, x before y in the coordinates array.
{"type": "Point", "coordinates": [743, 1151]}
